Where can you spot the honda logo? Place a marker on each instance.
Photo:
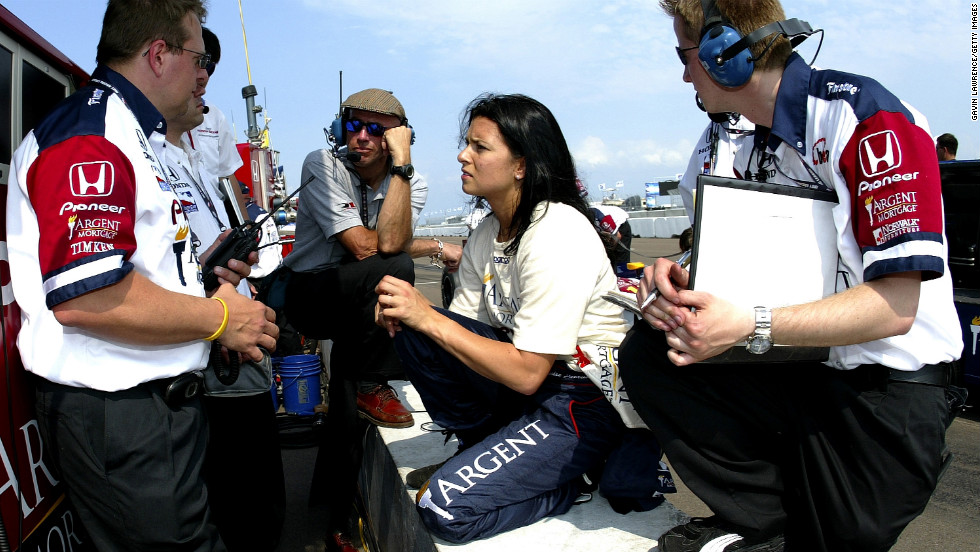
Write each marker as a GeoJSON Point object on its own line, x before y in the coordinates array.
{"type": "Point", "coordinates": [94, 179]}
{"type": "Point", "coordinates": [879, 153]}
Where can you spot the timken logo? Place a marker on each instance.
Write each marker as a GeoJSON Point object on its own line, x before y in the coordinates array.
{"type": "Point", "coordinates": [93, 179]}
{"type": "Point", "coordinates": [879, 153]}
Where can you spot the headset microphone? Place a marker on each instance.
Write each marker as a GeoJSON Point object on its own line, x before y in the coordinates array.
{"type": "Point", "coordinates": [206, 108]}
{"type": "Point", "coordinates": [719, 118]}
{"type": "Point", "coordinates": [353, 156]}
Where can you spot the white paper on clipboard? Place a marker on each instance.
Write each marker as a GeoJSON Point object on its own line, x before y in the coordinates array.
{"type": "Point", "coordinates": [760, 244]}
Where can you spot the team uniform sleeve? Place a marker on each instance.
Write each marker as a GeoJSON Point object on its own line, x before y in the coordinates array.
{"type": "Point", "coordinates": [890, 167]}
{"type": "Point", "coordinates": [331, 205]}
{"type": "Point", "coordinates": [420, 194]}
{"type": "Point", "coordinates": [83, 192]}
{"type": "Point", "coordinates": [557, 277]}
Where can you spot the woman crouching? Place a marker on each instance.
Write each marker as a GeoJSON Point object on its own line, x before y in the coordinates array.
{"type": "Point", "coordinates": [503, 367]}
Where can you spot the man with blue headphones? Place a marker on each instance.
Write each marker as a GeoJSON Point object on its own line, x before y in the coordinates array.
{"type": "Point", "coordinates": [354, 226]}
{"type": "Point", "coordinates": [806, 455]}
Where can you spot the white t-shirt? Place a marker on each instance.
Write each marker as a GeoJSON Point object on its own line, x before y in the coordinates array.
{"type": "Point", "coordinates": [216, 142]}
{"type": "Point", "coordinates": [549, 294]}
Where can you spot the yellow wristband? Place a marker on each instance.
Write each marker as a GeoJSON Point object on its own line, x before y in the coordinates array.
{"type": "Point", "coordinates": [224, 322]}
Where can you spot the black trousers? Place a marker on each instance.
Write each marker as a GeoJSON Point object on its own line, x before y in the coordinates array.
{"type": "Point", "coordinates": [837, 460]}
{"type": "Point", "coordinates": [244, 473]}
{"type": "Point", "coordinates": [338, 304]}
{"type": "Point", "coordinates": [132, 465]}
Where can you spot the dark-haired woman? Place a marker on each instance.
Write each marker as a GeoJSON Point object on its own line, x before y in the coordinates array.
{"type": "Point", "coordinates": [503, 368]}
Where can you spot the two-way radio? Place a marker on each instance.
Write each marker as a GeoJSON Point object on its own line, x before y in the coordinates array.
{"type": "Point", "coordinates": [243, 239]}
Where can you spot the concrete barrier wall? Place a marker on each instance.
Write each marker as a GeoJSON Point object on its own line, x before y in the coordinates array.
{"type": "Point", "coordinates": [643, 227]}
{"type": "Point", "coordinates": [441, 230]}
{"type": "Point", "coordinates": [658, 227]}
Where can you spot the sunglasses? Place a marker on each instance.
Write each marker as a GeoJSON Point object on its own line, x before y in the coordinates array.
{"type": "Point", "coordinates": [355, 126]}
{"type": "Point", "coordinates": [680, 53]}
{"type": "Point", "coordinates": [203, 60]}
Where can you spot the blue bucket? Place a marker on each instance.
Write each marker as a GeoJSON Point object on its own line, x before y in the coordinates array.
{"type": "Point", "coordinates": [300, 376]}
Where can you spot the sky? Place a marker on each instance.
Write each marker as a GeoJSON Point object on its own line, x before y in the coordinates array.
{"type": "Point", "coordinates": [607, 70]}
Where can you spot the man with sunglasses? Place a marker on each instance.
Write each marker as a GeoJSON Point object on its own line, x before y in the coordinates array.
{"type": "Point", "coordinates": [795, 454]}
{"type": "Point", "coordinates": [354, 226]}
{"type": "Point", "coordinates": [115, 323]}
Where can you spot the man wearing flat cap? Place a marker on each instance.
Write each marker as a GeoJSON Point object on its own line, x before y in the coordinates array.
{"type": "Point", "coordinates": [354, 226]}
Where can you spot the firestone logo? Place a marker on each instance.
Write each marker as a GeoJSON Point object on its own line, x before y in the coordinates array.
{"type": "Point", "coordinates": [879, 153]}
{"type": "Point", "coordinates": [842, 88]}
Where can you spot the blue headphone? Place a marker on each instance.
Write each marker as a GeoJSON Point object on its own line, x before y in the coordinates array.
{"type": "Point", "coordinates": [724, 52]}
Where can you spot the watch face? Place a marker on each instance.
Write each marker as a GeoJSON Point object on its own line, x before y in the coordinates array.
{"type": "Point", "coordinates": [407, 171]}
{"type": "Point", "coordinates": [758, 344]}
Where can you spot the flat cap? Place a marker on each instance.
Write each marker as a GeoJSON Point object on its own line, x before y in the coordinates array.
{"type": "Point", "coordinates": [377, 101]}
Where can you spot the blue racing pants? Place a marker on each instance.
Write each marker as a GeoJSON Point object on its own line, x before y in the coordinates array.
{"type": "Point", "coordinates": [521, 456]}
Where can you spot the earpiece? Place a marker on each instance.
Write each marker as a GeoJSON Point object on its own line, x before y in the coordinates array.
{"type": "Point", "coordinates": [724, 52]}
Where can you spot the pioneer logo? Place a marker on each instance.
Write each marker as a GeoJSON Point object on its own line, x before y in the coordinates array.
{"type": "Point", "coordinates": [93, 179]}
{"type": "Point", "coordinates": [879, 153]}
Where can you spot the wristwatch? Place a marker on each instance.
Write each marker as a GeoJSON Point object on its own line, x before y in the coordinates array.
{"type": "Point", "coordinates": [761, 340]}
{"type": "Point", "coordinates": [404, 171]}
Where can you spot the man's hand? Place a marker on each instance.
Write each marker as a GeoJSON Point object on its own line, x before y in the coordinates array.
{"type": "Point", "coordinates": [668, 278]}
{"type": "Point", "coordinates": [237, 270]}
{"type": "Point", "coordinates": [451, 255]}
{"type": "Point", "coordinates": [250, 324]}
{"type": "Point", "coordinates": [398, 142]}
{"type": "Point", "coordinates": [711, 326]}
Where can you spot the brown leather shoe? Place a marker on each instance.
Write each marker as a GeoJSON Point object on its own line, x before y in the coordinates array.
{"type": "Point", "coordinates": [340, 542]}
{"type": "Point", "coordinates": [381, 407]}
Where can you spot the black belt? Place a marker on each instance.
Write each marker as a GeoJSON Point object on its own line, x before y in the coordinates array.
{"type": "Point", "coordinates": [866, 376]}
{"type": "Point", "coordinates": [930, 374]}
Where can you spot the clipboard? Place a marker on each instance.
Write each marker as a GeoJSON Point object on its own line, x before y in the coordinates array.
{"type": "Point", "coordinates": [757, 243]}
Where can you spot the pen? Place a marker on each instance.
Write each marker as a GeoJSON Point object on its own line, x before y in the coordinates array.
{"type": "Point", "coordinates": [683, 260]}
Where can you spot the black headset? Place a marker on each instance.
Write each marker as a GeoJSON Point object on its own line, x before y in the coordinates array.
{"type": "Point", "coordinates": [724, 52]}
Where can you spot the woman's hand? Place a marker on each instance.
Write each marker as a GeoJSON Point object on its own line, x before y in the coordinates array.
{"type": "Point", "coordinates": [400, 303]}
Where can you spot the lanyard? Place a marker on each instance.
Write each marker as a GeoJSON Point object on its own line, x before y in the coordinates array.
{"type": "Point", "coordinates": [364, 207]}
{"type": "Point", "coordinates": [765, 159]}
{"type": "Point", "coordinates": [207, 200]}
